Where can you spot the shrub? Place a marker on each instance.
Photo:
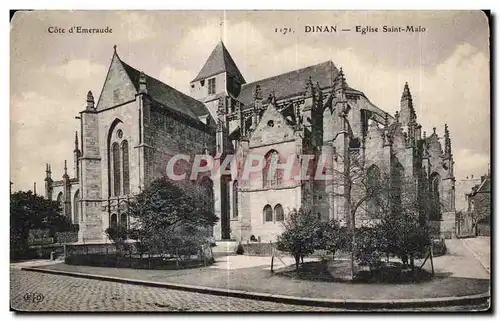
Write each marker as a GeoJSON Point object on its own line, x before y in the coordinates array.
{"type": "Point", "coordinates": [302, 235]}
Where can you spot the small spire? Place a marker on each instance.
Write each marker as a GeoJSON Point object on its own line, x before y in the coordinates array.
{"type": "Point", "coordinates": [434, 130]}
{"type": "Point", "coordinates": [447, 140]}
{"type": "Point", "coordinates": [397, 116]}
{"type": "Point", "coordinates": [34, 188]}
{"type": "Point", "coordinates": [318, 92]}
{"type": "Point", "coordinates": [257, 93]}
{"type": "Point", "coordinates": [114, 49]}
{"type": "Point", "coordinates": [142, 83]}
{"type": "Point", "coordinates": [76, 141]}
{"type": "Point", "coordinates": [386, 120]}
{"type": "Point", "coordinates": [65, 167]}
{"type": "Point", "coordinates": [342, 76]}
{"type": "Point", "coordinates": [272, 98]}
{"type": "Point", "coordinates": [90, 100]}
{"type": "Point", "coordinates": [406, 92]}
{"type": "Point", "coordinates": [309, 87]}
{"type": "Point", "coordinates": [425, 135]}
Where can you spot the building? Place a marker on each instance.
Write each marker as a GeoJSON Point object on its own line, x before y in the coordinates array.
{"type": "Point", "coordinates": [139, 123]}
{"type": "Point", "coordinates": [479, 207]}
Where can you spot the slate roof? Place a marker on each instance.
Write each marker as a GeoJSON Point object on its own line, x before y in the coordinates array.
{"type": "Point", "coordinates": [293, 83]}
{"type": "Point", "coordinates": [166, 95]}
{"type": "Point", "coordinates": [220, 61]}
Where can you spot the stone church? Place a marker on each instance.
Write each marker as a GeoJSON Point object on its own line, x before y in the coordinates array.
{"type": "Point", "coordinates": [138, 123]}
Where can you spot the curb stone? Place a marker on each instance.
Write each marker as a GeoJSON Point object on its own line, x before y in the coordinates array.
{"type": "Point", "coordinates": [279, 298]}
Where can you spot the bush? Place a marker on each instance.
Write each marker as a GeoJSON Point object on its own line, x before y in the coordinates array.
{"type": "Point", "coordinates": [239, 249]}
{"type": "Point", "coordinates": [302, 235]}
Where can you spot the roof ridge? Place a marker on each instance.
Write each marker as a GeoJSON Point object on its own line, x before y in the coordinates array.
{"type": "Point", "coordinates": [287, 72]}
{"type": "Point", "coordinates": [189, 110]}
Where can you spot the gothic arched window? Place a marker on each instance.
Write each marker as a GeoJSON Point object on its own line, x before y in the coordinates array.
{"type": "Point", "coordinates": [60, 200]}
{"type": "Point", "coordinates": [435, 210]}
{"type": "Point", "coordinates": [374, 190]}
{"type": "Point", "coordinates": [235, 199]}
{"type": "Point", "coordinates": [270, 175]}
{"type": "Point", "coordinates": [397, 176]}
{"type": "Point", "coordinates": [278, 213]}
{"type": "Point", "coordinates": [268, 213]}
{"type": "Point", "coordinates": [116, 169]}
{"type": "Point", "coordinates": [113, 221]}
{"type": "Point", "coordinates": [76, 206]}
{"type": "Point", "coordinates": [126, 176]}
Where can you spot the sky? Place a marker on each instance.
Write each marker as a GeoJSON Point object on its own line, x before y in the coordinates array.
{"type": "Point", "coordinates": [447, 68]}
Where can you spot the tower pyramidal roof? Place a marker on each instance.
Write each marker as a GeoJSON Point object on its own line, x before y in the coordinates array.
{"type": "Point", "coordinates": [220, 61]}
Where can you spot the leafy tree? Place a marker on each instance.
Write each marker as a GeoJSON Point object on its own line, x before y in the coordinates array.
{"type": "Point", "coordinates": [370, 246]}
{"type": "Point", "coordinates": [29, 211]}
{"type": "Point", "coordinates": [404, 235]}
{"type": "Point", "coordinates": [302, 234]}
{"type": "Point", "coordinates": [171, 218]}
{"type": "Point", "coordinates": [335, 237]}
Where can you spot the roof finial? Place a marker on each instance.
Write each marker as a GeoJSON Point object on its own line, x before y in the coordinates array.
{"type": "Point", "coordinates": [434, 130]}
{"type": "Point", "coordinates": [221, 28]}
{"type": "Point", "coordinates": [114, 48]}
{"type": "Point", "coordinates": [65, 167]}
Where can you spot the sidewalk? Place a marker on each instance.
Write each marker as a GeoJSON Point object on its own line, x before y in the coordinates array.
{"type": "Point", "coordinates": [252, 274]}
{"type": "Point", "coordinates": [480, 249]}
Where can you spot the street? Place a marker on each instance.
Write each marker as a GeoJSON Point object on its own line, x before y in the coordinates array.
{"type": "Point", "coordinates": [63, 293]}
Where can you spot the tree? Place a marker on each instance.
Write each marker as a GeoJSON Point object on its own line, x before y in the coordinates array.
{"type": "Point", "coordinates": [171, 218]}
{"type": "Point", "coordinates": [335, 237]}
{"type": "Point", "coordinates": [302, 234]}
{"type": "Point", "coordinates": [405, 235]}
{"type": "Point", "coordinates": [30, 211]}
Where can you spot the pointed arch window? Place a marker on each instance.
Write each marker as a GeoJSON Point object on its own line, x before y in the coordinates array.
{"type": "Point", "coordinates": [113, 221]}
{"type": "Point", "coordinates": [435, 210]}
{"type": "Point", "coordinates": [126, 175]}
{"type": "Point", "coordinates": [60, 200]}
{"type": "Point", "coordinates": [268, 213]}
{"type": "Point", "coordinates": [270, 174]}
{"type": "Point", "coordinates": [278, 213]}
{"type": "Point", "coordinates": [116, 169]}
{"type": "Point", "coordinates": [374, 190]}
{"type": "Point", "coordinates": [235, 199]}
{"type": "Point", "coordinates": [76, 206]}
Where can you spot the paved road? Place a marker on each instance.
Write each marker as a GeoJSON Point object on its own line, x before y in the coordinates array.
{"type": "Point", "coordinates": [63, 293]}
{"type": "Point", "coordinates": [459, 262]}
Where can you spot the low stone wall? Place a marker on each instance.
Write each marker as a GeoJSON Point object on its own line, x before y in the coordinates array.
{"type": "Point", "coordinates": [258, 249]}
{"type": "Point", "coordinates": [84, 249]}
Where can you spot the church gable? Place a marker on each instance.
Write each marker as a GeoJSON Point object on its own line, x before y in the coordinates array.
{"type": "Point", "coordinates": [272, 128]}
{"type": "Point", "coordinates": [117, 88]}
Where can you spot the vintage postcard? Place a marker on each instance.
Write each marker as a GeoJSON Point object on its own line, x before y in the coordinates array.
{"type": "Point", "coordinates": [250, 161]}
